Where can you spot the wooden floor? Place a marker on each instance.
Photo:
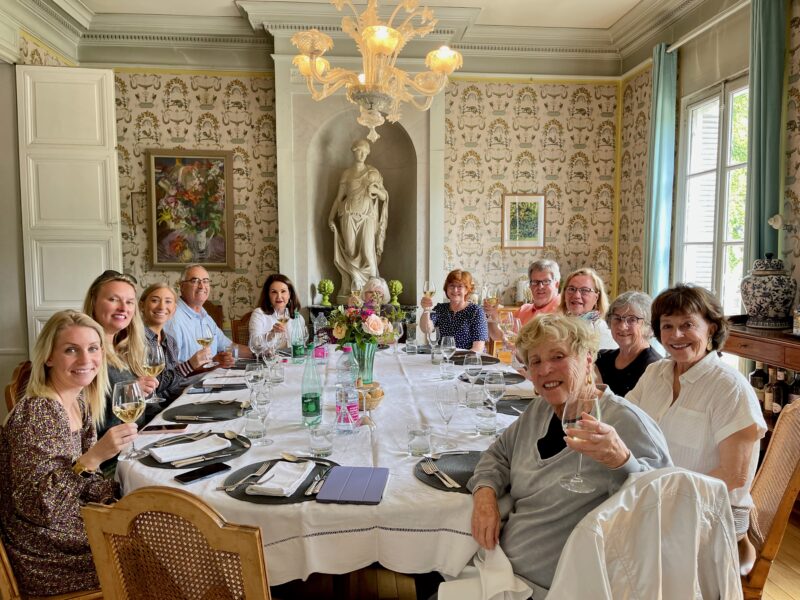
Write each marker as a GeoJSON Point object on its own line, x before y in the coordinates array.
{"type": "Point", "coordinates": [784, 575]}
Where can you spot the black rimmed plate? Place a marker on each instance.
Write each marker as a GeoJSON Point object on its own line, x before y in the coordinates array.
{"type": "Point", "coordinates": [459, 466]}
{"type": "Point", "coordinates": [513, 405]}
{"type": "Point", "coordinates": [486, 359]}
{"type": "Point", "coordinates": [211, 411]}
{"type": "Point", "coordinates": [239, 445]}
{"type": "Point", "coordinates": [509, 378]}
{"type": "Point", "coordinates": [322, 464]}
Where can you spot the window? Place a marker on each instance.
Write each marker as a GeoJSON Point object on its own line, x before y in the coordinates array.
{"type": "Point", "coordinates": [709, 233]}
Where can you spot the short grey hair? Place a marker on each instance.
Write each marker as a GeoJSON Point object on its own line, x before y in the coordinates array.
{"type": "Point", "coordinates": [378, 284]}
{"type": "Point", "coordinates": [545, 264]}
{"type": "Point", "coordinates": [188, 268]}
{"type": "Point", "coordinates": [640, 303]}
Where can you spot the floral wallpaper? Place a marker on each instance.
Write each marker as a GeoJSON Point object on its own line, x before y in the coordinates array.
{"type": "Point", "coordinates": [33, 52]}
{"type": "Point", "coordinates": [633, 164]}
{"type": "Point", "coordinates": [791, 207]}
{"type": "Point", "coordinates": [554, 139]}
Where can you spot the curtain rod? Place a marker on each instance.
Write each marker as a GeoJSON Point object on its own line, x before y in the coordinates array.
{"type": "Point", "coordinates": [708, 25]}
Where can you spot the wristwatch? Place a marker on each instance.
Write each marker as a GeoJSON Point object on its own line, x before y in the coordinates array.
{"type": "Point", "coordinates": [81, 469]}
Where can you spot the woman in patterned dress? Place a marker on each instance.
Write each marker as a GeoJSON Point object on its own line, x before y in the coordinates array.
{"type": "Point", "coordinates": [465, 321]}
{"type": "Point", "coordinates": [49, 455]}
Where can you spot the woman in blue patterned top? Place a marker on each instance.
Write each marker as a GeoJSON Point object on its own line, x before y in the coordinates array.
{"type": "Point", "coordinates": [465, 321]}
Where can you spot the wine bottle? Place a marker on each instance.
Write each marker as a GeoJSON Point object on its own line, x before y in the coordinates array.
{"type": "Point", "coordinates": [759, 379]}
{"type": "Point", "coordinates": [780, 392]}
{"type": "Point", "coordinates": [769, 391]}
{"type": "Point", "coordinates": [311, 393]}
{"type": "Point", "coordinates": [794, 390]}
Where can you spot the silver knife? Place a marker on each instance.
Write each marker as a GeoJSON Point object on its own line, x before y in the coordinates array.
{"type": "Point", "coordinates": [194, 418]}
{"type": "Point", "coordinates": [190, 461]}
{"type": "Point", "coordinates": [310, 488]}
{"type": "Point", "coordinates": [325, 474]}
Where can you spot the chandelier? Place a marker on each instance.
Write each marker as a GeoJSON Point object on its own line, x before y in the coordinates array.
{"type": "Point", "coordinates": [381, 88]}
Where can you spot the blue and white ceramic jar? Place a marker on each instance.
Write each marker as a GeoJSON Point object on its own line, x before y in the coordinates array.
{"type": "Point", "coordinates": [768, 294]}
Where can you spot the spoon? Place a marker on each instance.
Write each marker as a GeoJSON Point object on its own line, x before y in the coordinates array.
{"type": "Point", "coordinates": [288, 456]}
{"type": "Point", "coordinates": [232, 435]}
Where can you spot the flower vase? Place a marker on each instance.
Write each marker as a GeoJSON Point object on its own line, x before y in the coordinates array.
{"type": "Point", "coordinates": [364, 353]}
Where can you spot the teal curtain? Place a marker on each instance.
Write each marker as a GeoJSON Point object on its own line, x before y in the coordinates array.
{"type": "Point", "coordinates": [660, 171]}
{"type": "Point", "coordinates": [764, 156]}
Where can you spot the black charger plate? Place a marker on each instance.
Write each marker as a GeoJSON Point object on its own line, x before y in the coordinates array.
{"type": "Point", "coordinates": [239, 493]}
{"type": "Point", "coordinates": [238, 446]}
{"type": "Point", "coordinates": [459, 466]}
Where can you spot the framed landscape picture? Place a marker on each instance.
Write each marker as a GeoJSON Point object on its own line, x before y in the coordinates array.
{"type": "Point", "coordinates": [523, 221]}
{"type": "Point", "coordinates": [190, 196]}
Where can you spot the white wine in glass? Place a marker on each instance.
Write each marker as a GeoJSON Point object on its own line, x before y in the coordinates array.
{"type": "Point", "coordinates": [429, 289]}
{"type": "Point", "coordinates": [154, 363]}
{"type": "Point", "coordinates": [585, 400]}
{"type": "Point", "coordinates": [204, 337]}
{"type": "Point", "coordinates": [127, 404]}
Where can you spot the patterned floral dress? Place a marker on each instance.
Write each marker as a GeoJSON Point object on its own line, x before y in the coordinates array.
{"type": "Point", "coordinates": [40, 498]}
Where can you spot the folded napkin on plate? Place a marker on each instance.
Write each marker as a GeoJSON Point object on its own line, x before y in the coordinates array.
{"type": "Point", "coordinates": [222, 381]}
{"type": "Point", "coordinates": [283, 479]}
{"type": "Point", "coordinates": [174, 452]}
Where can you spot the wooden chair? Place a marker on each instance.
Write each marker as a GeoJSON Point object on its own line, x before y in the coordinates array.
{"type": "Point", "coordinates": [214, 311]}
{"type": "Point", "coordinates": [774, 492]}
{"type": "Point", "coordinates": [162, 543]}
{"type": "Point", "coordinates": [9, 590]}
{"type": "Point", "coordinates": [15, 390]}
{"type": "Point", "coordinates": [240, 330]}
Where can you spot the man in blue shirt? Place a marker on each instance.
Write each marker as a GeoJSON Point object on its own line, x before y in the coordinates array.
{"type": "Point", "coordinates": [185, 324]}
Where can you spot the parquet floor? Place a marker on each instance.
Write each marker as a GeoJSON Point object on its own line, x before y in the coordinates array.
{"type": "Point", "coordinates": [784, 575]}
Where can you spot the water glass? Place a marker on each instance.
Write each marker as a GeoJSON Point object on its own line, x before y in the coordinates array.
{"type": "Point", "coordinates": [411, 346]}
{"type": "Point", "coordinates": [486, 419]}
{"type": "Point", "coordinates": [320, 440]}
{"type": "Point", "coordinates": [255, 426]}
{"type": "Point", "coordinates": [436, 355]}
{"type": "Point", "coordinates": [419, 439]}
{"type": "Point", "coordinates": [475, 397]}
{"type": "Point", "coordinates": [447, 370]}
{"type": "Point", "coordinates": [277, 373]}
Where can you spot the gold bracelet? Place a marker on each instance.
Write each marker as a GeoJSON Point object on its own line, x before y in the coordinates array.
{"type": "Point", "coordinates": [81, 469]}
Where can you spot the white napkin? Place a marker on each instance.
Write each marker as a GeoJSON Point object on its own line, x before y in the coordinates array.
{"type": "Point", "coordinates": [212, 381]}
{"type": "Point", "coordinates": [282, 480]}
{"type": "Point", "coordinates": [492, 578]}
{"type": "Point", "coordinates": [175, 452]}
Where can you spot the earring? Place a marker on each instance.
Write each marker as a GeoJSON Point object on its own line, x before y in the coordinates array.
{"type": "Point", "coordinates": [710, 345]}
{"type": "Point", "coordinates": [589, 379]}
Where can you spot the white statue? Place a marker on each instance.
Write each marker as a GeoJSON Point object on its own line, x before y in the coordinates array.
{"type": "Point", "coordinates": [358, 219]}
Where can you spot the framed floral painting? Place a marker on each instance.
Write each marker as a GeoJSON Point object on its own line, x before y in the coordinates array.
{"type": "Point", "coordinates": [523, 221]}
{"type": "Point", "coordinates": [190, 194]}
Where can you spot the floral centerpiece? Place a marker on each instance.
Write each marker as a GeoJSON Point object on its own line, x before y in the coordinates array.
{"type": "Point", "coordinates": [361, 327]}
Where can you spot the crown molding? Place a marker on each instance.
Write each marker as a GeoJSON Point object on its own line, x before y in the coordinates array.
{"type": "Point", "coordinates": [76, 9]}
{"type": "Point", "coordinates": [45, 21]}
{"type": "Point", "coordinates": [646, 20]}
{"type": "Point", "coordinates": [9, 39]}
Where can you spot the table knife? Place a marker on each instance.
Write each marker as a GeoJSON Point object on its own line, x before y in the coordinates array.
{"type": "Point", "coordinates": [310, 488]}
{"type": "Point", "coordinates": [194, 418]}
{"type": "Point", "coordinates": [318, 486]}
{"type": "Point", "coordinates": [190, 461]}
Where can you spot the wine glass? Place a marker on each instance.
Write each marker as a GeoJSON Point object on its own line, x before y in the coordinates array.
{"type": "Point", "coordinates": [473, 365]}
{"type": "Point", "coordinates": [447, 403]}
{"type": "Point", "coordinates": [428, 290]}
{"type": "Point", "coordinates": [127, 404]}
{"type": "Point", "coordinates": [270, 348]}
{"type": "Point", "coordinates": [253, 375]}
{"type": "Point", "coordinates": [433, 337]}
{"type": "Point", "coordinates": [448, 344]}
{"type": "Point", "coordinates": [397, 328]}
{"type": "Point", "coordinates": [263, 404]}
{"type": "Point", "coordinates": [355, 291]}
{"type": "Point", "coordinates": [257, 345]}
{"type": "Point", "coordinates": [154, 363]}
{"type": "Point", "coordinates": [494, 385]}
{"type": "Point", "coordinates": [489, 293]}
{"type": "Point", "coordinates": [586, 400]}
{"type": "Point", "coordinates": [204, 337]}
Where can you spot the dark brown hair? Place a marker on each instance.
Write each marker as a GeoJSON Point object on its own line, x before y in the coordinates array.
{"type": "Point", "coordinates": [687, 299]}
{"type": "Point", "coordinates": [266, 304]}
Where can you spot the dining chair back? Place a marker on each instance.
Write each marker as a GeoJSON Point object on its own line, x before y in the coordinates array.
{"type": "Point", "coordinates": [774, 492]}
{"type": "Point", "coordinates": [240, 330]}
{"type": "Point", "coordinates": [9, 589]}
{"type": "Point", "coordinates": [164, 543]}
{"type": "Point", "coordinates": [15, 390]}
{"type": "Point", "coordinates": [214, 311]}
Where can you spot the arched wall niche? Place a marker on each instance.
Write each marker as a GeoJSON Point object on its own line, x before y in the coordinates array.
{"type": "Point", "coordinates": [393, 154]}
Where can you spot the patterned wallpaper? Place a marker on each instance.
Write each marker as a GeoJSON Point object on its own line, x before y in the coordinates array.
{"type": "Point", "coordinates": [791, 207]}
{"type": "Point", "coordinates": [633, 163]}
{"type": "Point", "coordinates": [551, 138]}
{"type": "Point", "coordinates": [33, 52]}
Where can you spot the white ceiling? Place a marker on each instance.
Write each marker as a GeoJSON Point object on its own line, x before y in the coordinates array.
{"type": "Point", "coordinates": [591, 14]}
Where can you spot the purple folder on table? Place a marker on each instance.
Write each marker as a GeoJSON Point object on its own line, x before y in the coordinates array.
{"type": "Point", "coordinates": [354, 485]}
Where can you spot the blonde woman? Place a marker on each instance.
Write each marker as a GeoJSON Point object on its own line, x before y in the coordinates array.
{"type": "Point", "coordinates": [584, 296]}
{"type": "Point", "coordinates": [111, 301]}
{"type": "Point", "coordinates": [49, 456]}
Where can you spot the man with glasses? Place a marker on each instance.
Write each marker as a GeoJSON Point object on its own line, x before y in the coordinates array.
{"type": "Point", "coordinates": [543, 279]}
{"type": "Point", "coordinates": [184, 326]}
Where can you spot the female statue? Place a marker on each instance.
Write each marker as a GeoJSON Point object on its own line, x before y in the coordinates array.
{"type": "Point", "coordinates": [358, 219]}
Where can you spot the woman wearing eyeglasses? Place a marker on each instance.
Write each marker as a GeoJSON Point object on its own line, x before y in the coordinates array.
{"type": "Point", "coordinates": [629, 320]}
{"type": "Point", "coordinates": [458, 317]}
{"type": "Point", "coordinates": [584, 296]}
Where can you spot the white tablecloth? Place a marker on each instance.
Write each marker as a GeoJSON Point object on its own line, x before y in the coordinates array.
{"type": "Point", "coordinates": [414, 529]}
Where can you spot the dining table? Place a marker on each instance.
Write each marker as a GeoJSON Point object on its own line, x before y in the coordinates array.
{"type": "Point", "coordinates": [415, 528]}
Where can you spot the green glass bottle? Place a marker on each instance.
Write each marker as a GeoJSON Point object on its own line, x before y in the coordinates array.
{"type": "Point", "coordinates": [311, 391]}
{"type": "Point", "coordinates": [298, 339]}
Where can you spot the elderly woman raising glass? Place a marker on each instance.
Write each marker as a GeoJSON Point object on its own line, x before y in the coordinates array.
{"type": "Point", "coordinates": [629, 320]}
{"type": "Point", "coordinates": [530, 458]}
{"type": "Point", "coordinates": [707, 410]}
{"type": "Point", "coordinates": [584, 296]}
{"type": "Point", "coordinates": [49, 456]}
{"type": "Point", "coordinates": [465, 321]}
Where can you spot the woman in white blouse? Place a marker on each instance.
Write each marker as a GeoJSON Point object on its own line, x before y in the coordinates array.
{"type": "Point", "coordinates": [584, 296]}
{"type": "Point", "coordinates": [706, 408]}
{"type": "Point", "coordinates": [278, 297]}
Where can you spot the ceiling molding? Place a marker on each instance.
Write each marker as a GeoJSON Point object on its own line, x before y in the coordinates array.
{"type": "Point", "coordinates": [9, 39]}
{"type": "Point", "coordinates": [77, 10]}
{"type": "Point", "coordinates": [646, 20]}
{"type": "Point", "coordinates": [44, 21]}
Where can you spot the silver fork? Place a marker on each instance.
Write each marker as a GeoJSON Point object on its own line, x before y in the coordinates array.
{"type": "Point", "coordinates": [431, 469]}
{"type": "Point", "coordinates": [191, 437]}
{"type": "Point", "coordinates": [261, 470]}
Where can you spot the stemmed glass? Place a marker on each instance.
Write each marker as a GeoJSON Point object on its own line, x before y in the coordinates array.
{"type": "Point", "coordinates": [355, 291]}
{"type": "Point", "coordinates": [433, 337]}
{"type": "Point", "coordinates": [127, 404]}
{"type": "Point", "coordinates": [262, 401]}
{"type": "Point", "coordinates": [490, 295]}
{"type": "Point", "coordinates": [397, 329]}
{"type": "Point", "coordinates": [270, 348]}
{"type": "Point", "coordinates": [448, 346]}
{"type": "Point", "coordinates": [204, 337]}
{"type": "Point", "coordinates": [585, 400]}
{"type": "Point", "coordinates": [473, 365]}
{"type": "Point", "coordinates": [253, 375]}
{"type": "Point", "coordinates": [154, 363]}
{"type": "Point", "coordinates": [428, 290]}
{"type": "Point", "coordinates": [284, 317]}
{"type": "Point", "coordinates": [494, 386]}
{"type": "Point", "coordinates": [257, 345]}
{"type": "Point", "coordinates": [447, 403]}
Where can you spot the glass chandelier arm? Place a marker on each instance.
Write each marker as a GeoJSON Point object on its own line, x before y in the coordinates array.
{"type": "Point", "coordinates": [337, 77]}
{"type": "Point", "coordinates": [427, 83]}
{"type": "Point", "coordinates": [327, 88]}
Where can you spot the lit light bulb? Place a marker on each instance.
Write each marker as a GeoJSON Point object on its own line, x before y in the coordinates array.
{"type": "Point", "coordinates": [444, 60]}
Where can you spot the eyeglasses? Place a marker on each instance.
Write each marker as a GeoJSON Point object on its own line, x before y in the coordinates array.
{"type": "Point", "coordinates": [205, 282]}
{"type": "Point", "coordinates": [543, 283]}
{"type": "Point", "coordinates": [629, 320]}
{"type": "Point", "coordinates": [582, 291]}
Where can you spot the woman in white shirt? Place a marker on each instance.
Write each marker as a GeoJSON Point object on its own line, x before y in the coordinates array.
{"type": "Point", "coordinates": [584, 296]}
{"type": "Point", "coordinates": [278, 300]}
{"type": "Point", "coordinates": [706, 408]}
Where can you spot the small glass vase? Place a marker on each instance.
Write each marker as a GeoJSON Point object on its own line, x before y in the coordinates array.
{"type": "Point", "coordinates": [364, 353]}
